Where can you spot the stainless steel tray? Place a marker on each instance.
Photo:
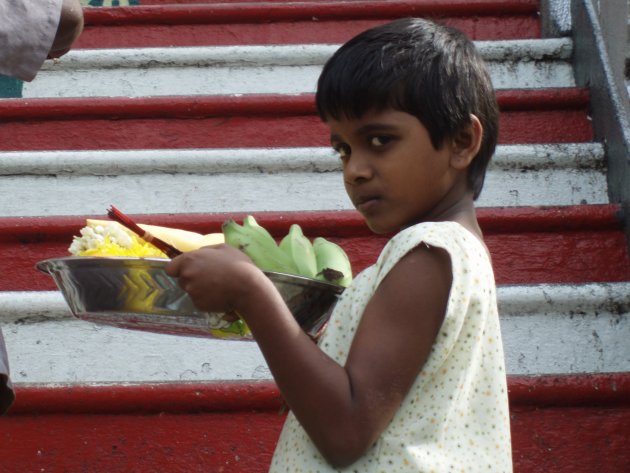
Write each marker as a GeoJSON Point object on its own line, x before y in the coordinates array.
{"type": "Point", "coordinates": [137, 294]}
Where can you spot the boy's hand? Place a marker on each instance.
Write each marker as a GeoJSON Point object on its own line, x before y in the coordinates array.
{"type": "Point", "coordinates": [70, 28]}
{"type": "Point", "coordinates": [215, 277]}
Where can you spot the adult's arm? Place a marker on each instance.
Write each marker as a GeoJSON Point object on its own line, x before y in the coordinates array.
{"type": "Point", "coordinates": [31, 30]}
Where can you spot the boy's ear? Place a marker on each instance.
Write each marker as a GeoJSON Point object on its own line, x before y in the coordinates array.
{"type": "Point", "coordinates": [466, 144]}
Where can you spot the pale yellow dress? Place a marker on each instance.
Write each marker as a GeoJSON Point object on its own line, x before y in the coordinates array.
{"type": "Point", "coordinates": [455, 418]}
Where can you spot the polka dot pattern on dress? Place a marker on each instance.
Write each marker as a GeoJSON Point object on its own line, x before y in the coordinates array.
{"type": "Point", "coordinates": [455, 417]}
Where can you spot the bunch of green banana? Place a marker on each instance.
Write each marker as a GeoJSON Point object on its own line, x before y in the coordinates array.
{"type": "Point", "coordinates": [321, 259]}
{"type": "Point", "coordinates": [257, 243]}
{"type": "Point", "coordinates": [300, 250]}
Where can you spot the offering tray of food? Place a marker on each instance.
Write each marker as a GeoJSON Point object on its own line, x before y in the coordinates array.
{"type": "Point", "coordinates": [117, 275]}
{"type": "Point", "coordinates": [136, 293]}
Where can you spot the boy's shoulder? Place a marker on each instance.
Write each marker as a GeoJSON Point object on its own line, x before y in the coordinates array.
{"type": "Point", "coordinates": [459, 242]}
{"type": "Point", "coordinates": [435, 233]}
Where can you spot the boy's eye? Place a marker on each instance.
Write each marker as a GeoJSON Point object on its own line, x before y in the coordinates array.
{"type": "Point", "coordinates": [377, 141]}
{"type": "Point", "coordinates": [343, 150]}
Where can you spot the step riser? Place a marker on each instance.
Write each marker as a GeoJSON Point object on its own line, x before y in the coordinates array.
{"type": "Point", "coordinates": [314, 31]}
{"type": "Point", "coordinates": [250, 192]}
{"type": "Point", "coordinates": [610, 300]}
{"type": "Point", "coordinates": [509, 53]}
{"type": "Point", "coordinates": [144, 82]}
{"type": "Point", "coordinates": [533, 116]}
{"type": "Point", "coordinates": [110, 425]}
{"type": "Point", "coordinates": [564, 245]}
{"type": "Point", "coordinates": [262, 180]}
{"type": "Point", "coordinates": [234, 11]}
{"type": "Point", "coordinates": [546, 329]}
{"type": "Point", "coordinates": [554, 391]}
{"type": "Point", "coordinates": [155, 24]}
{"type": "Point", "coordinates": [262, 70]}
{"type": "Point", "coordinates": [507, 158]}
{"type": "Point", "coordinates": [226, 132]}
{"type": "Point", "coordinates": [555, 175]}
{"type": "Point", "coordinates": [570, 257]}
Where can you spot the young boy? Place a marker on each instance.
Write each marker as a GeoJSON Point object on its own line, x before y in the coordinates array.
{"type": "Point", "coordinates": [409, 374]}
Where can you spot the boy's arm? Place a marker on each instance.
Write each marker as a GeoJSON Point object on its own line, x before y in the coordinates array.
{"type": "Point", "coordinates": [345, 408]}
{"type": "Point", "coordinates": [342, 408]}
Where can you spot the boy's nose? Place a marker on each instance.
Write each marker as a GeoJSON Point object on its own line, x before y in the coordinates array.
{"type": "Point", "coordinates": [357, 169]}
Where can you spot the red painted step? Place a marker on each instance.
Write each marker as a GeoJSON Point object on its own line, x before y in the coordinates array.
{"type": "Point", "coordinates": [527, 116]}
{"type": "Point", "coordinates": [233, 427]}
{"type": "Point", "coordinates": [271, 22]}
{"type": "Point", "coordinates": [528, 245]}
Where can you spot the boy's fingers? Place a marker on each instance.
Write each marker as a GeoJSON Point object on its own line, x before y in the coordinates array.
{"type": "Point", "coordinates": [173, 268]}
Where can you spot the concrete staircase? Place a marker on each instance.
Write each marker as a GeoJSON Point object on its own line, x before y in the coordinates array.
{"type": "Point", "coordinates": [184, 114]}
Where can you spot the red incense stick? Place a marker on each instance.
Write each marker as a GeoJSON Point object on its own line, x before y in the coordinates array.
{"type": "Point", "coordinates": [127, 222]}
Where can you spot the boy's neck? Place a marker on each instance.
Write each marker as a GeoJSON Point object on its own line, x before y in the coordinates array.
{"type": "Point", "coordinates": [463, 212]}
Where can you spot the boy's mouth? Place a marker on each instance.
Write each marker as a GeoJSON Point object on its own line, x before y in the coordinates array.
{"type": "Point", "coordinates": [364, 203]}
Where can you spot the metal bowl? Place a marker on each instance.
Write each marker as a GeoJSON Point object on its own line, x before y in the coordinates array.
{"type": "Point", "coordinates": [137, 294]}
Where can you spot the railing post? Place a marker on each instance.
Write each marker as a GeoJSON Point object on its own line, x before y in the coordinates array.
{"type": "Point", "coordinates": [610, 106]}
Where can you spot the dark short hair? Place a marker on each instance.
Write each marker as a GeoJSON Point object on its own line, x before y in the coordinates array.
{"type": "Point", "coordinates": [430, 71]}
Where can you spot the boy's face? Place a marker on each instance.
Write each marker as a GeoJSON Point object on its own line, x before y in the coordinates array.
{"type": "Point", "coordinates": [392, 173]}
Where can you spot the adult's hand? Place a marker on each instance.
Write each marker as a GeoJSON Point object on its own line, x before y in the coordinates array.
{"type": "Point", "coordinates": [69, 29]}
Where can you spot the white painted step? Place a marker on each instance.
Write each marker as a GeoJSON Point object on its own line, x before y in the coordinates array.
{"type": "Point", "coordinates": [261, 179]}
{"type": "Point", "coordinates": [281, 69]}
{"type": "Point", "coordinates": [547, 329]}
